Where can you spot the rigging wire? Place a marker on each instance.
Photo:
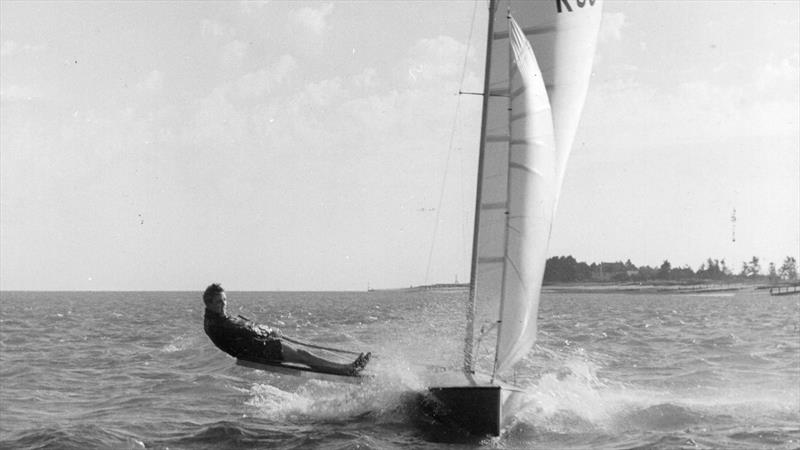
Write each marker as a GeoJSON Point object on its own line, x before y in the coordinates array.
{"type": "Point", "coordinates": [450, 145]}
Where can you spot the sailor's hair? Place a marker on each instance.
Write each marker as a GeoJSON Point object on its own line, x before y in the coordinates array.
{"type": "Point", "coordinates": [211, 292]}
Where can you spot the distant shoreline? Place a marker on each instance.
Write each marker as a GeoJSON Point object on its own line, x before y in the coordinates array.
{"type": "Point", "coordinates": [616, 288]}
{"type": "Point", "coordinates": [661, 287]}
{"type": "Point", "coordinates": [624, 288]}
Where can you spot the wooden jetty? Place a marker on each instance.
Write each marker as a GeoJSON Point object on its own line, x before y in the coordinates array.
{"type": "Point", "coordinates": [784, 290]}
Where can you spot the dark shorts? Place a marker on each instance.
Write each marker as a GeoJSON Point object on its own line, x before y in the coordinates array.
{"type": "Point", "coordinates": [263, 350]}
{"type": "Point", "coordinates": [241, 338]}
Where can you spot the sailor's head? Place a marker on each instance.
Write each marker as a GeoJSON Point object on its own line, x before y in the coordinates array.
{"type": "Point", "coordinates": [214, 298]}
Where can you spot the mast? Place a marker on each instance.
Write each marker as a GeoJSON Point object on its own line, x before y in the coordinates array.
{"type": "Point", "coordinates": [470, 329]}
{"type": "Point", "coordinates": [507, 214]}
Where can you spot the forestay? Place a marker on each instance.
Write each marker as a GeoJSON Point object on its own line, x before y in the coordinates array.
{"type": "Point", "coordinates": [528, 125]}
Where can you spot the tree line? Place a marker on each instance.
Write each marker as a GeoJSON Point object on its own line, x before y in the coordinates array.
{"type": "Point", "coordinates": [561, 269]}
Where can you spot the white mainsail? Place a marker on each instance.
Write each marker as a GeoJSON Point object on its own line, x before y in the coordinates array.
{"type": "Point", "coordinates": [537, 75]}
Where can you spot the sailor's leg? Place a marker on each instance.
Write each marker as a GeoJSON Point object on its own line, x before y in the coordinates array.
{"type": "Point", "coordinates": [291, 354]}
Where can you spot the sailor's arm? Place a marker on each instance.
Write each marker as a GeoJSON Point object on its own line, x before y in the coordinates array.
{"type": "Point", "coordinates": [259, 329]}
{"type": "Point", "coordinates": [266, 331]}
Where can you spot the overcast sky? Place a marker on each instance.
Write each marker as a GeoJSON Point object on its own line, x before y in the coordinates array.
{"type": "Point", "coordinates": [304, 146]}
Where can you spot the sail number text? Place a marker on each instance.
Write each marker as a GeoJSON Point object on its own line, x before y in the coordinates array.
{"type": "Point", "coordinates": [561, 4]}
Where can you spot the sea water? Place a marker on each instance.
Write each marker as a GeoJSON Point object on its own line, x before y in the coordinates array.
{"type": "Point", "coordinates": [610, 370]}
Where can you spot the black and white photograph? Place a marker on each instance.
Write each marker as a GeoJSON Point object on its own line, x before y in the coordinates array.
{"type": "Point", "coordinates": [386, 224]}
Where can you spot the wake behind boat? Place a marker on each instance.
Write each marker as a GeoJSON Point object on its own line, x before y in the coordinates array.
{"type": "Point", "coordinates": [536, 78]}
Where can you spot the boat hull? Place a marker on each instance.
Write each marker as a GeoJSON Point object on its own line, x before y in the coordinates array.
{"type": "Point", "coordinates": [478, 410]}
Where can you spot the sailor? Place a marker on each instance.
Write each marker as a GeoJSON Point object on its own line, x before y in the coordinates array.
{"type": "Point", "coordinates": [245, 339]}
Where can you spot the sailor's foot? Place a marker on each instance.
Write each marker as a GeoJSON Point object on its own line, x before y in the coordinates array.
{"type": "Point", "coordinates": [360, 363]}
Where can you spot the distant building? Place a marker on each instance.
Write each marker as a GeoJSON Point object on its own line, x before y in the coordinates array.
{"type": "Point", "coordinates": [611, 271]}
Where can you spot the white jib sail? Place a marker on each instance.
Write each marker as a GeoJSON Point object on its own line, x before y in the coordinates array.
{"type": "Point", "coordinates": [530, 118]}
{"type": "Point", "coordinates": [532, 180]}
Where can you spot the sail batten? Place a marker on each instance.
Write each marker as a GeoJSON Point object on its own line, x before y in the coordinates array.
{"type": "Point", "coordinates": [517, 92]}
{"type": "Point", "coordinates": [528, 32]}
{"type": "Point", "coordinates": [527, 169]}
{"type": "Point", "coordinates": [498, 138]}
{"type": "Point", "coordinates": [491, 260]}
{"type": "Point", "coordinates": [537, 71]}
{"type": "Point", "coordinates": [488, 206]}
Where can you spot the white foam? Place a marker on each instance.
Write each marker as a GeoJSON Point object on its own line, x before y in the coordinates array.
{"type": "Point", "coordinates": [570, 397]}
{"type": "Point", "coordinates": [381, 395]}
{"type": "Point", "coordinates": [178, 344]}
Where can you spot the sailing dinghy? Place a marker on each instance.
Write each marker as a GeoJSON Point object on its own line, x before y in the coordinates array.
{"type": "Point", "coordinates": [538, 63]}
